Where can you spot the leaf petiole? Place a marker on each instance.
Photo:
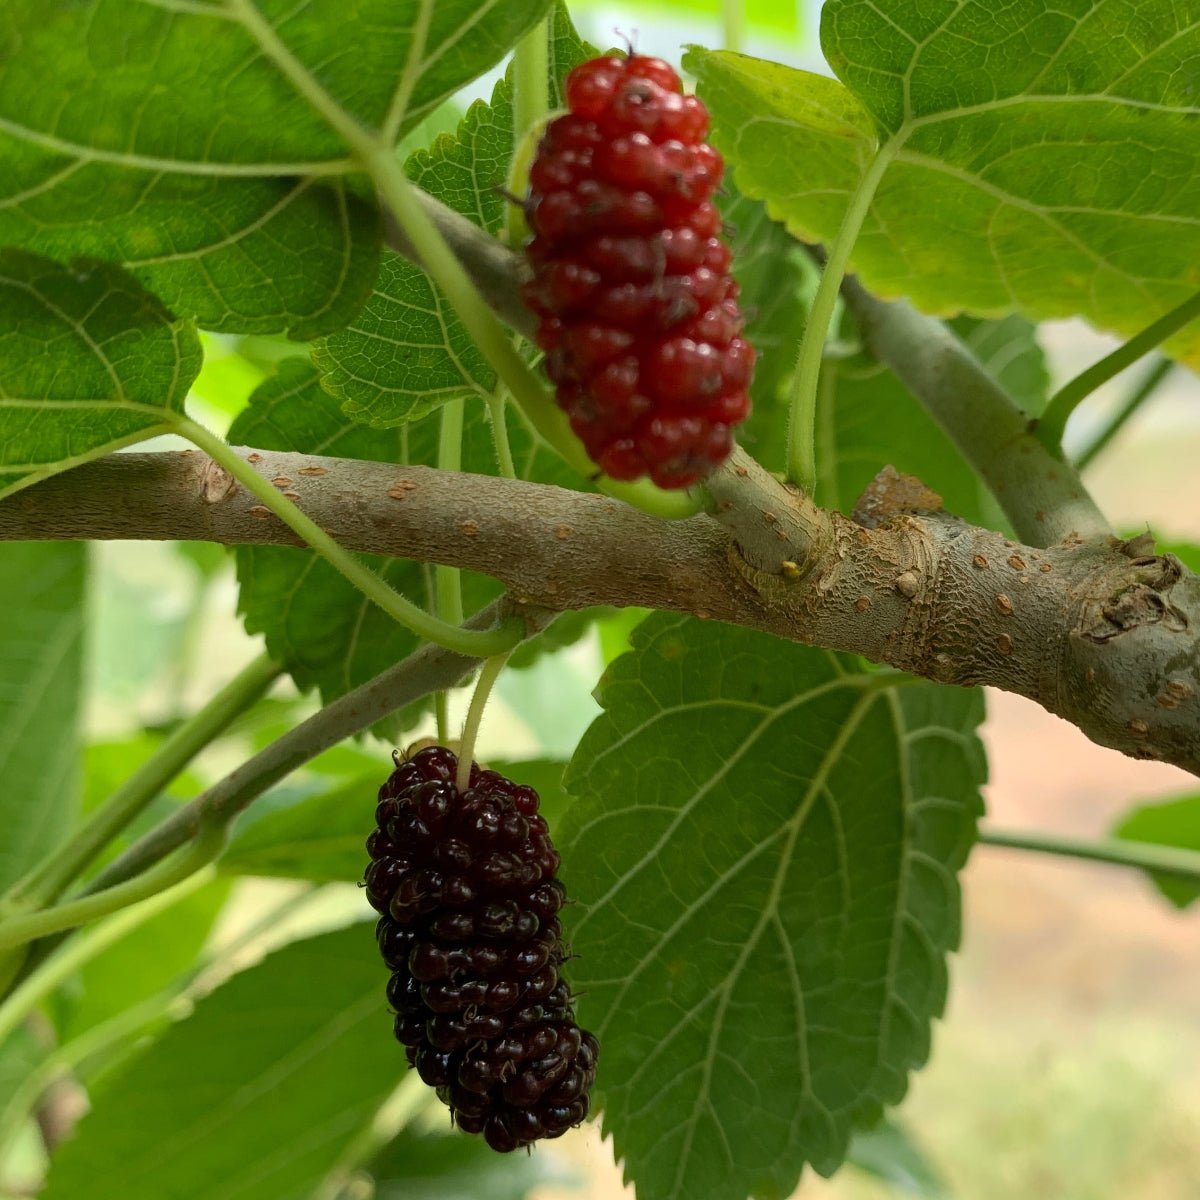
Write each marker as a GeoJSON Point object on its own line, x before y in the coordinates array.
{"type": "Point", "coordinates": [1175, 861]}
{"type": "Point", "coordinates": [1053, 421]}
{"type": "Point", "coordinates": [28, 927]}
{"type": "Point", "coordinates": [802, 414]}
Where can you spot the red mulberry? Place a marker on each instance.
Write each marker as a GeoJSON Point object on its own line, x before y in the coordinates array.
{"type": "Point", "coordinates": [638, 314]}
{"type": "Point", "coordinates": [466, 886]}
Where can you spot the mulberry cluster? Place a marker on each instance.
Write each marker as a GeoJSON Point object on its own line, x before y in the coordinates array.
{"type": "Point", "coordinates": [638, 314]}
{"type": "Point", "coordinates": [466, 887]}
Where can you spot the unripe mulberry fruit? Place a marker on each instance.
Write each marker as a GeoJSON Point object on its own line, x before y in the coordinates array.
{"type": "Point", "coordinates": [637, 311]}
{"type": "Point", "coordinates": [465, 884]}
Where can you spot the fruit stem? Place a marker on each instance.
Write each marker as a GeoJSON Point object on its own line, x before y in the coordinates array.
{"type": "Point", "coordinates": [477, 643]}
{"type": "Point", "coordinates": [66, 961]}
{"type": "Point", "coordinates": [1175, 861]}
{"type": "Point", "coordinates": [802, 415]}
{"type": "Point", "coordinates": [1053, 421]}
{"type": "Point", "coordinates": [479, 698]}
{"type": "Point", "coordinates": [49, 879]}
{"type": "Point", "coordinates": [1146, 387]}
{"type": "Point", "coordinates": [497, 404]}
{"type": "Point", "coordinates": [18, 930]}
{"type": "Point", "coordinates": [733, 25]}
{"type": "Point", "coordinates": [531, 102]}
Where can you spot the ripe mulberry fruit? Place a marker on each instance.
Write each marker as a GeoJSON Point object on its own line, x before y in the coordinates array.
{"type": "Point", "coordinates": [465, 885]}
{"type": "Point", "coordinates": [638, 314]}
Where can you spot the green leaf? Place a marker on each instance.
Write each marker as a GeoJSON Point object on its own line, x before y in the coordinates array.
{"type": "Point", "coordinates": [448, 1166]}
{"type": "Point", "coordinates": [164, 137]}
{"type": "Point", "coordinates": [1039, 159]}
{"type": "Point", "coordinates": [407, 353]}
{"type": "Point", "coordinates": [41, 647]}
{"type": "Point", "coordinates": [258, 1093]}
{"type": "Point", "coordinates": [89, 362]}
{"type": "Point", "coordinates": [329, 634]}
{"type": "Point", "coordinates": [237, 255]}
{"type": "Point", "coordinates": [318, 834]}
{"type": "Point", "coordinates": [888, 1153]}
{"type": "Point", "coordinates": [764, 849]}
{"type": "Point", "coordinates": [1170, 823]}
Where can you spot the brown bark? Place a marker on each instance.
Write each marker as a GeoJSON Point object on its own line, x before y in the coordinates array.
{"type": "Point", "coordinates": [1099, 632]}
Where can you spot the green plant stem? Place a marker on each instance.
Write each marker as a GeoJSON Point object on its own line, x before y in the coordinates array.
{"type": "Point", "coordinates": [531, 102]}
{"type": "Point", "coordinates": [441, 715]}
{"type": "Point", "coordinates": [47, 882]}
{"type": "Point", "coordinates": [733, 24]}
{"type": "Point", "coordinates": [802, 414]}
{"type": "Point", "coordinates": [531, 79]}
{"type": "Point", "coordinates": [497, 405]}
{"type": "Point", "coordinates": [1142, 392]}
{"type": "Point", "coordinates": [28, 927]}
{"type": "Point", "coordinates": [463, 641]}
{"type": "Point", "coordinates": [1062, 404]}
{"type": "Point", "coordinates": [1146, 856]}
{"type": "Point", "coordinates": [72, 955]}
{"type": "Point", "coordinates": [479, 698]}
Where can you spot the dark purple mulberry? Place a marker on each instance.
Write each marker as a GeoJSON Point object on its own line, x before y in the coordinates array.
{"type": "Point", "coordinates": [466, 887]}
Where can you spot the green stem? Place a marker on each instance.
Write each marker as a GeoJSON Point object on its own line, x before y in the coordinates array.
{"type": "Point", "coordinates": [497, 412]}
{"type": "Point", "coordinates": [733, 24]}
{"type": "Point", "coordinates": [1162, 860]}
{"type": "Point", "coordinates": [477, 643]}
{"type": "Point", "coordinates": [28, 927]}
{"type": "Point", "coordinates": [531, 102]}
{"type": "Point", "coordinates": [73, 954]}
{"type": "Point", "coordinates": [1062, 404]}
{"type": "Point", "coordinates": [47, 882]}
{"type": "Point", "coordinates": [441, 713]}
{"type": "Point", "coordinates": [802, 467]}
{"type": "Point", "coordinates": [479, 698]}
{"type": "Point", "coordinates": [1147, 386]}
